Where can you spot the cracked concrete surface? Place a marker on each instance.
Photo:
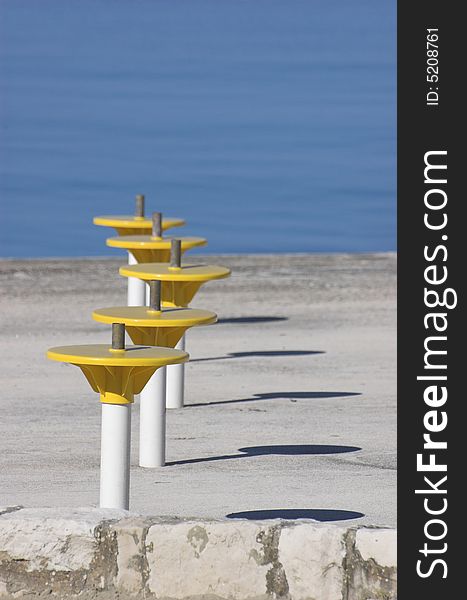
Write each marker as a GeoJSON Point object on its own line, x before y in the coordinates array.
{"type": "Point", "coordinates": [291, 397]}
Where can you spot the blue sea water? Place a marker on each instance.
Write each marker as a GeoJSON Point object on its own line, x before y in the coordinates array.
{"type": "Point", "coordinates": [268, 124]}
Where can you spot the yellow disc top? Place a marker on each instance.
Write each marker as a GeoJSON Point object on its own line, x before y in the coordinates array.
{"type": "Point", "coordinates": [164, 272]}
{"type": "Point", "coordinates": [102, 354]}
{"type": "Point", "coordinates": [132, 222]}
{"type": "Point", "coordinates": [129, 242]}
{"type": "Point", "coordinates": [142, 316]}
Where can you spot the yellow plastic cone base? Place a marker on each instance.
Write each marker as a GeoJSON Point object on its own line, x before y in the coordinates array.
{"type": "Point", "coordinates": [146, 248]}
{"type": "Point", "coordinates": [117, 374]}
{"type": "Point", "coordinates": [145, 326]}
{"type": "Point", "coordinates": [179, 286]}
{"type": "Point", "coordinates": [130, 225]}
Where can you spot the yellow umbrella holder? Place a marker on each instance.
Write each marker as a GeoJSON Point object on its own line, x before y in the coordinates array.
{"type": "Point", "coordinates": [180, 283]}
{"type": "Point", "coordinates": [154, 325]}
{"type": "Point", "coordinates": [116, 373]}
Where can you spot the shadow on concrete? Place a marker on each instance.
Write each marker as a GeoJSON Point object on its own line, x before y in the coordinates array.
{"type": "Point", "coordinates": [292, 396]}
{"type": "Point", "coordinates": [279, 450]}
{"type": "Point", "coordinates": [265, 353]}
{"type": "Point", "coordinates": [250, 320]}
{"type": "Point", "coordinates": [298, 449]}
{"type": "Point", "coordinates": [317, 514]}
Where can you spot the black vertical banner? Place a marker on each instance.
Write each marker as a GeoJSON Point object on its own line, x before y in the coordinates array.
{"type": "Point", "coordinates": [431, 303]}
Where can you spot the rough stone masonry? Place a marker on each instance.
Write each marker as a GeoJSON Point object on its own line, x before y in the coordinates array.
{"type": "Point", "coordinates": [98, 554]}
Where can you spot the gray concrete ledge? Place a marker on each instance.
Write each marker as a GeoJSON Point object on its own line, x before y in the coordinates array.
{"type": "Point", "coordinates": [89, 554]}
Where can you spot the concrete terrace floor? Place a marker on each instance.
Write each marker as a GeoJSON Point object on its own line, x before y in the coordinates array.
{"type": "Point", "coordinates": [291, 396]}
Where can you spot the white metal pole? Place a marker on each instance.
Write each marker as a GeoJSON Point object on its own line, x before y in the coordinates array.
{"type": "Point", "coordinates": [115, 456]}
{"type": "Point", "coordinates": [147, 297]}
{"type": "Point", "coordinates": [136, 287]}
{"type": "Point", "coordinates": [152, 421]}
{"type": "Point", "coordinates": [176, 381]}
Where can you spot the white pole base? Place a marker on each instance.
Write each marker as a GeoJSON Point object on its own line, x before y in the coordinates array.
{"type": "Point", "coordinates": [115, 456]}
{"type": "Point", "coordinates": [152, 421]}
{"type": "Point", "coordinates": [176, 381]}
{"type": "Point", "coordinates": [136, 287]}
